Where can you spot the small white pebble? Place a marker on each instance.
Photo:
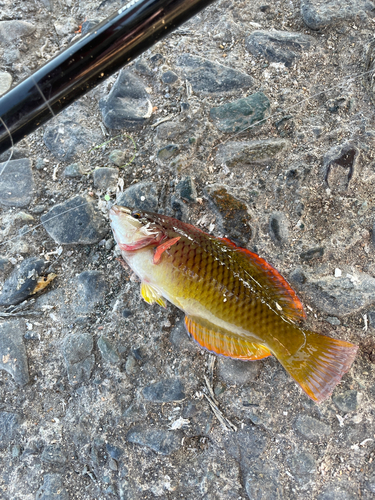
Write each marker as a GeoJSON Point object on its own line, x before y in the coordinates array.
{"type": "Point", "coordinates": [143, 198]}
{"type": "Point", "coordinates": [338, 272]}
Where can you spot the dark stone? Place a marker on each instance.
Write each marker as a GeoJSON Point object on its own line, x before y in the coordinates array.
{"type": "Point", "coordinates": [312, 253]}
{"type": "Point", "coordinates": [90, 290]}
{"type": "Point", "coordinates": [302, 466]}
{"type": "Point", "coordinates": [114, 451]}
{"type": "Point", "coordinates": [9, 424]}
{"type": "Point", "coordinates": [167, 152]}
{"type": "Point", "coordinates": [339, 165]}
{"type": "Point", "coordinates": [169, 77]}
{"type": "Point", "coordinates": [297, 277]}
{"type": "Point", "coordinates": [186, 189]}
{"type": "Point", "coordinates": [128, 104]}
{"type": "Point", "coordinates": [245, 446]}
{"type": "Point", "coordinates": [371, 319]}
{"type": "Point", "coordinates": [317, 14]}
{"type": "Point", "coordinates": [209, 77]}
{"type": "Point", "coordinates": [73, 171]}
{"type": "Point", "coordinates": [339, 296]}
{"type": "Point", "coordinates": [105, 178]}
{"type": "Point", "coordinates": [157, 58]}
{"type": "Point", "coordinates": [164, 391]}
{"type": "Point", "coordinates": [278, 46]}
{"type": "Point", "coordinates": [233, 371]}
{"type": "Point", "coordinates": [337, 492]}
{"type": "Point", "coordinates": [311, 428]}
{"type": "Point", "coordinates": [118, 157]}
{"type": "Point", "coordinates": [79, 361]}
{"type": "Point", "coordinates": [346, 401]}
{"type": "Point", "coordinates": [66, 137]}
{"type": "Point", "coordinates": [13, 357]}
{"type": "Point", "coordinates": [143, 68]}
{"type": "Point", "coordinates": [278, 227]}
{"type": "Point", "coordinates": [16, 183]}
{"type": "Point", "coordinates": [108, 351]}
{"type": "Point", "coordinates": [249, 152]}
{"type": "Point", "coordinates": [53, 455]}
{"type": "Point", "coordinates": [22, 281]}
{"type": "Point", "coordinates": [141, 196]}
{"type": "Point", "coordinates": [263, 486]}
{"type": "Point", "coordinates": [52, 488]}
{"type": "Point", "coordinates": [159, 440]}
{"type": "Point", "coordinates": [233, 216]}
{"type": "Point", "coordinates": [13, 31]}
{"type": "Point", "coordinates": [169, 130]}
{"type": "Point", "coordinates": [75, 222]}
{"type": "Point", "coordinates": [126, 313]}
{"type": "Point", "coordinates": [239, 115]}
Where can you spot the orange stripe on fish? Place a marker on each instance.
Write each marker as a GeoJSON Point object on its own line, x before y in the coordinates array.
{"type": "Point", "coordinates": [163, 247]}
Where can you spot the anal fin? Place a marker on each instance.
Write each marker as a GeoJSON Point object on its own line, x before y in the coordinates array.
{"type": "Point", "coordinates": [151, 295]}
{"type": "Point", "coordinates": [223, 342]}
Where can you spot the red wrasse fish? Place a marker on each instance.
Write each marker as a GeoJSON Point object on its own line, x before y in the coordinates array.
{"type": "Point", "coordinates": [236, 304]}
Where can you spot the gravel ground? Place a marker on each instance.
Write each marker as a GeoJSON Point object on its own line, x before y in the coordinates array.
{"type": "Point", "coordinates": [103, 396]}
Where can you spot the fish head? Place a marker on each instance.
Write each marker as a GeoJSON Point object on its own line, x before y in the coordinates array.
{"type": "Point", "coordinates": [133, 229]}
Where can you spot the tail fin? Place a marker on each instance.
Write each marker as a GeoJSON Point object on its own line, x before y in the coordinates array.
{"type": "Point", "coordinates": [319, 364]}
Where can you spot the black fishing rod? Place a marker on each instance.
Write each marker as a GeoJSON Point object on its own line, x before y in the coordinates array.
{"type": "Point", "coordinates": [86, 63]}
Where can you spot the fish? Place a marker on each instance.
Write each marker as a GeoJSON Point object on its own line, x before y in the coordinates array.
{"type": "Point", "coordinates": [236, 304]}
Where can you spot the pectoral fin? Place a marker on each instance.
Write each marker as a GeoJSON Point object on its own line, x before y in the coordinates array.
{"type": "Point", "coordinates": [151, 295]}
{"type": "Point", "coordinates": [163, 247]}
{"type": "Point", "coordinates": [223, 342]}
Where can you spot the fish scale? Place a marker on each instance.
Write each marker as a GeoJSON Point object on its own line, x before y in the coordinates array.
{"type": "Point", "coordinates": [236, 304]}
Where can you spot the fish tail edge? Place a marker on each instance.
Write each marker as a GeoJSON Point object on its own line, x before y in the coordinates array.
{"type": "Point", "coordinates": [320, 364]}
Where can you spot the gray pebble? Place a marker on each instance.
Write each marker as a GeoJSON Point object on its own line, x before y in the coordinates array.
{"type": "Point", "coordinates": [318, 14]}
{"type": "Point", "coordinates": [209, 77]}
{"type": "Point", "coordinates": [90, 290]}
{"type": "Point", "coordinates": [233, 217]}
{"type": "Point", "coordinates": [169, 130]}
{"type": "Point", "coordinates": [131, 365]}
{"type": "Point", "coordinates": [117, 157]}
{"type": "Point", "coordinates": [143, 68]}
{"type": "Point", "coordinates": [278, 46]}
{"type": "Point", "coordinates": [278, 227]}
{"type": "Point", "coordinates": [164, 391]}
{"type": "Point", "coordinates": [339, 296]}
{"type": "Point", "coordinates": [186, 189]}
{"type": "Point", "coordinates": [16, 183]}
{"type": "Point", "coordinates": [263, 486]}
{"type": "Point", "coordinates": [141, 196]}
{"type": "Point", "coordinates": [312, 253]}
{"type": "Point", "coordinates": [12, 31]}
{"type": "Point", "coordinates": [237, 372]}
{"type": "Point", "coordinates": [5, 82]}
{"type": "Point", "coordinates": [73, 171]}
{"type": "Point", "coordinates": [105, 178]}
{"type": "Point", "coordinates": [13, 357]}
{"type": "Point", "coordinates": [302, 465]}
{"type": "Point", "coordinates": [53, 455]}
{"type": "Point", "coordinates": [337, 492]}
{"type": "Point", "coordinates": [9, 424]}
{"type": "Point", "coordinates": [346, 401]}
{"type": "Point", "coordinates": [22, 281]}
{"type": "Point", "coordinates": [238, 115]}
{"type": "Point", "coordinates": [242, 153]}
{"type": "Point", "coordinates": [68, 136]}
{"type": "Point", "coordinates": [52, 488]}
{"type": "Point", "coordinates": [79, 361]}
{"type": "Point", "coordinates": [167, 152]}
{"type": "Point", "coordinates": [128, 104]}
{"type": "Point", "coordinates": [75, 222]}
{"type": "Point", "coordinates": [159, 440]}
{"type": "Point", "coordinates": [311, 428]}
{"type": "Point", "coordinates": [114, 451]}
{"type": "Point", "coordinates": [108, 351]}
{"type": "Point", "coordinates": [169, 77]}
{"type": "Point", "coordinates": [339, 164]}
{"type": "Point", "coordinates": [333, 321]}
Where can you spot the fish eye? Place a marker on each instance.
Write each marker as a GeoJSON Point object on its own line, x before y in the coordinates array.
{"type": "Point", "coordinates": [136, 215]}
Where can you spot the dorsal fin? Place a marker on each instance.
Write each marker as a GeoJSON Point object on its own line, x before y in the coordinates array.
{"type": "Point", "coordinates": [270, 284]}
